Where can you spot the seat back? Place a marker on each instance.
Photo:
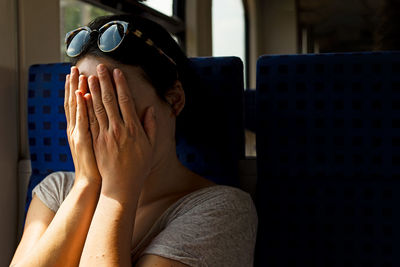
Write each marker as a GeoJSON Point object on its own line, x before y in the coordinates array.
{"type": "Point", "coordinates": [214, 143]}
{"type": "Point", "coordinates": [212, 149]}
{"type": "Point", "coordinates": [328, 158]}
{"type": "Point", "coordinates": [48, 144]}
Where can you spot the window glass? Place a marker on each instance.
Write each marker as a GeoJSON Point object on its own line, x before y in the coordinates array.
{"type": "Point", "coordinates": [163, 6]}
{"type": "Point", "coordinates": [228, 39]}
{"type": "Point", "coordinates": [73, 14]}
{"type": "Point", "coordinates": [228, 29]}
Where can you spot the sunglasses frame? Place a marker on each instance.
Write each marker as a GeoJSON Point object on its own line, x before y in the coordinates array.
{"type": "Point", "coordinates": [71, 35]}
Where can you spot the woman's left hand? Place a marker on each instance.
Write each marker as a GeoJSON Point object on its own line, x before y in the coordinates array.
{"type": "Point", "coordinates": [123, 148]}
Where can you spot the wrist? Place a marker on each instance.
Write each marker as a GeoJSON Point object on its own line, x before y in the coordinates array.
{"type": "Point", "coordinates": [125, 193]}
{"type": "Point", "coordinates": [85, 181]}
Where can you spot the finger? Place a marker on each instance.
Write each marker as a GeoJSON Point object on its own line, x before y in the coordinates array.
{"type": "Point", "coordinates": [93, 124]}
{"type": "Point", "coordinates": [66, 98]}
{"type": "Point", "coordinates": [82, 85]}
{"type": "Point", "coordinates": [107, 94]}
{"type": "Point", "coordinates": [99, 110]}
{"type": "Point", "coordinates": [73, 86]}
{"type": "Point", "coordinates": [149, 125]}
{"type": "Point", "coordinates": [82, 123]}
{"type": "Point", "coordinates": [125, 100]}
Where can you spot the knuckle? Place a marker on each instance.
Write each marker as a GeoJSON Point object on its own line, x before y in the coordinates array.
{"type": "Point", "coordinates": [79, 117]}
{"type": "Point", "coordinates": [79, 142]}
{"type": "Point", "coordinates": [71, 102]}
{"type": "Point", "coordinates": [124, 99]}
{"type": "Point", "coordinates": [99, 109]}
{"type": "Point", "coordinates": [116, 130]}
{"type": "Point", "coordinates": [107, 98]}
{"type": "Point", "coordinates": [93, 121]}
{"type": "Point", "coordinates": [131, 128]}
{"type": "Point", "coordinates": [70, 132]}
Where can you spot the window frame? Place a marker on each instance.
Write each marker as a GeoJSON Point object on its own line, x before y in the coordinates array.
{"type": "Point", "coordinates": [246, 65]}
{"type": "Point", "coordinates": [246, 44]}
{"type": "Point", "coordinates": [174, 24]}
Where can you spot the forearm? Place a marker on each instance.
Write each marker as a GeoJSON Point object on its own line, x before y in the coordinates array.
{"type": "Point", "coordinates": [110, 234]}
{"type": "Point", "coordinates": [63, 241]}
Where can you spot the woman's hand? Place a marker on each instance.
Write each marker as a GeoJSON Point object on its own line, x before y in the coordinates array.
{"type": "Point", "coordinates": [79, 137]}
{"type": "Point", "coordinates": [123, 148]}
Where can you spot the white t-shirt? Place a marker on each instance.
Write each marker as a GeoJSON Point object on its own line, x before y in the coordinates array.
{"type": "Point", "coordinates": [214, 226]}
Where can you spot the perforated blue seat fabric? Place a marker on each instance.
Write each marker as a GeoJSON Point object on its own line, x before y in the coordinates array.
{"type": "Point", "coordinates": [328, 159]}
{"type": "Point", "coordinates": [215, 156]}
{"type": "Point", "coordinates": [48, 142]}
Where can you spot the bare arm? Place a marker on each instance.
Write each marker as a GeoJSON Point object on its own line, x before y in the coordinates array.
{"type": "Point", "coordinates": [61, 241]}
{"type": "Point", "coordinates": [123, 150]}
{"type": "Point", "coordinates": [37, 220]}
{"type": "Point", "coordinates": [110, 235]}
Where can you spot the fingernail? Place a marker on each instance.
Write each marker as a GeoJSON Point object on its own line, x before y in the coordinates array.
{"type": "Point", "coordinates": [117, 72]}
{"type": "Point", "coordinates": [92, 82]}
{"type": "Point", "coordinates": [101, 68]}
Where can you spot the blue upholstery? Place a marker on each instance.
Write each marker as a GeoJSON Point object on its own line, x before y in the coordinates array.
{"type": "Point", "coordinates": [48, 142]}
{"type": "Point", "coordinates": [328, 157]}
{"type": "Point", "coordinates": [215, 141]}
{"type": "Point", "coordinates": [214, 156]}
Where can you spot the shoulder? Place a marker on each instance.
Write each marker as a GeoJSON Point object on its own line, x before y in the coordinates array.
{"type": "Point", "coordinates": [216, 199]}
{"type": "Point", "coordinates": [58, 178]}
{"type": "Point", "coordinates": [222, 209]}
{"type": "Point", "coordinates": [214, 226]}
{"type": "Point", "coordinates": [53, 189]}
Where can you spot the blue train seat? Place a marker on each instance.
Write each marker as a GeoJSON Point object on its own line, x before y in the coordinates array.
{"type": "Point", "coordinates": [211, 147]}
{"type": "Point", "coordinates": [328, 159]}
{"type": "Point", "coordinates": [48, 144]}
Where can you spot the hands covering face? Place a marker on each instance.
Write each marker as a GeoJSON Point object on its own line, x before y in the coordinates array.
{"type": "Point", "coordinates": [107, 140]}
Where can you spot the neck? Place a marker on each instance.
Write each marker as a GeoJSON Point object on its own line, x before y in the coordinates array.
{"type": "Point", "coordinates": [166, 178]}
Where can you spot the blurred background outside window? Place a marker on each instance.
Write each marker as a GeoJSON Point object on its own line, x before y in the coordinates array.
{"type": "Point", "coordinates": [74, 14]}
{"type": "Point", "coordinates": [228, 30]}
{"type": "Point", "coordinates": [163, 6]}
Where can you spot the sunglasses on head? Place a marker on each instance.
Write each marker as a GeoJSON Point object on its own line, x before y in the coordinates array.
{"type": "Point", "coordinates": [110, 37]}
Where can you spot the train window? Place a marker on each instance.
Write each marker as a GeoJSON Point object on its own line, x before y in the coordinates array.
{"type": "Point", "coordinates": [229, 39]}
{"type": "Point", "coordinates": [163, 6]}
{"type": "Point", "coordinates": [228, 29]}
{"type": "Point", "coordinates": [73, 14]}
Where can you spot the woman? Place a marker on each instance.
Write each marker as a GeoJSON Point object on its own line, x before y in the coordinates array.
{"type": "Point", "coordinates": [130, 200]}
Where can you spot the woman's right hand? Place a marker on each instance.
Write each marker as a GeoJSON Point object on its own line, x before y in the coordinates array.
{"type": "Point", "coordinates": [123, 146]}
{"type": "Point", "coordinates": [79, 136]}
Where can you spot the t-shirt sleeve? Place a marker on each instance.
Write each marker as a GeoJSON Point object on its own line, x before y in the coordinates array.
{"type": "Point", "coordinates": [54, 189]}
{"type": "Point", "coordinates": [218, 231]}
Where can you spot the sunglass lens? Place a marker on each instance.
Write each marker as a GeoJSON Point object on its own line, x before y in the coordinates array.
{"type": "Point", "coordinates": [111, 37]}
{"type": "Point", "coordinates": [77, 43]}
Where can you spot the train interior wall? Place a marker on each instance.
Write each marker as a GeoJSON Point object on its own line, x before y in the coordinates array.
{"type": "Point", "coordinates": [34, 31]}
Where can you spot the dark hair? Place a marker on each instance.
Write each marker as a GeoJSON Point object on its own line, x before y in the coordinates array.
{"type": "Point", "coordinates": [160, 72]}
{"type": "Point", "coordinates": [158, 69]}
